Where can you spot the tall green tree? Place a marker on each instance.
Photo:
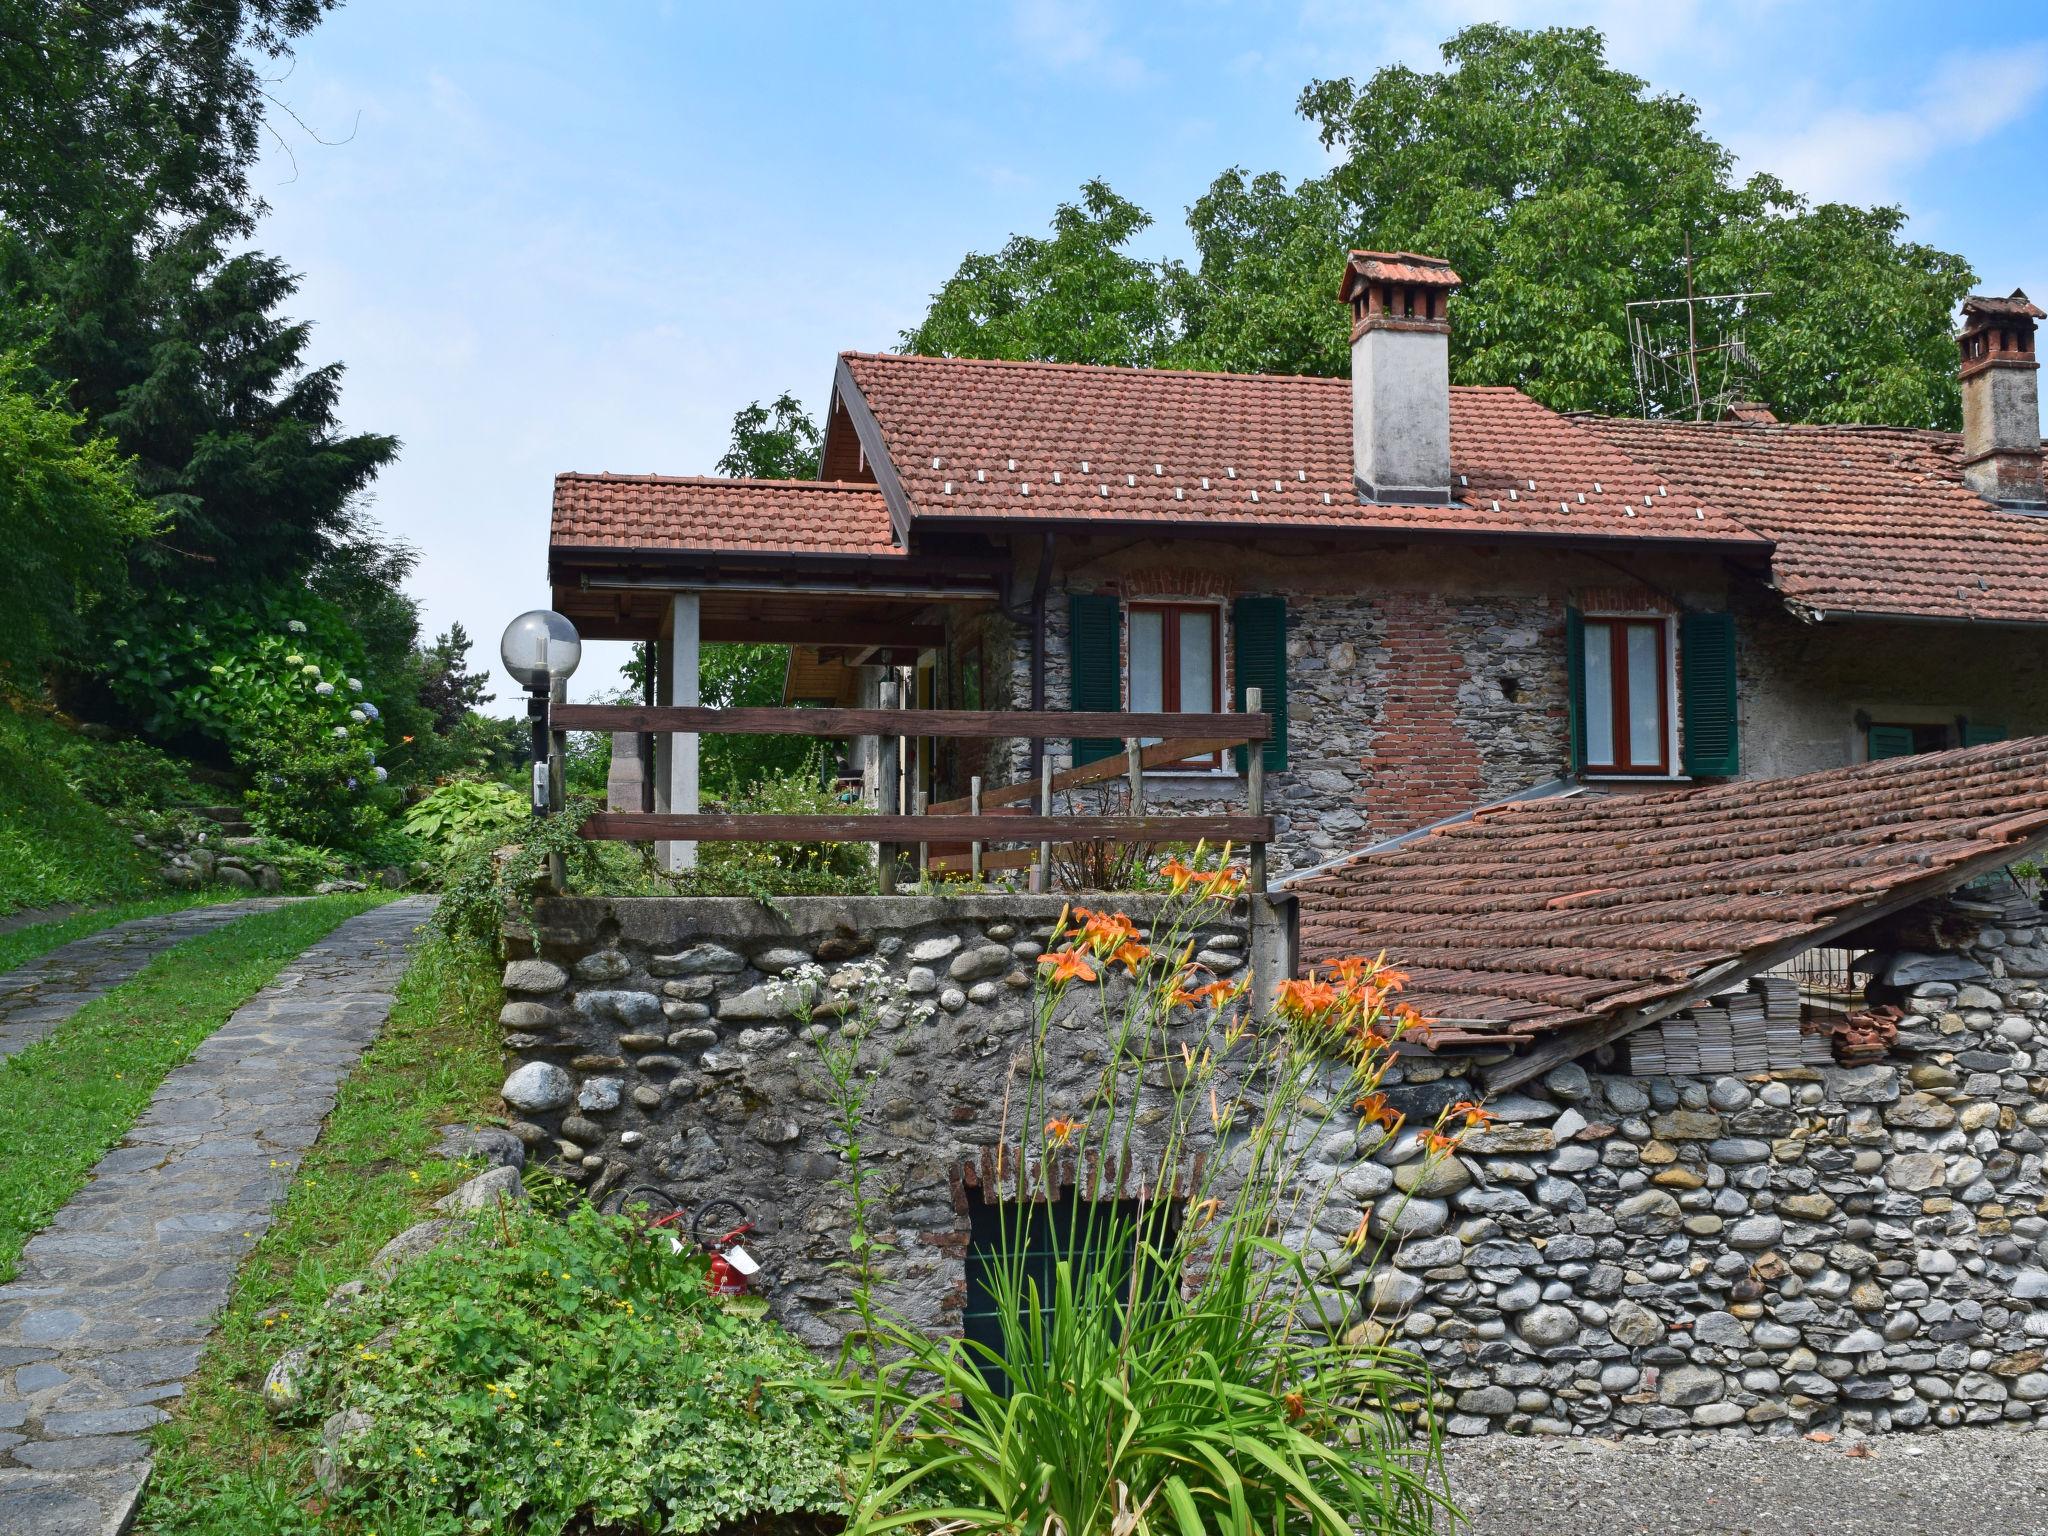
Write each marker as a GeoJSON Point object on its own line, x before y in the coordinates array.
{"type": "Point", "coordinates": [117, 106]}
{"type": "Point", "coordinates": [1559, 187]}
{"type": "Point", "coordinates": [777, 441]}
{"type": "Point", "coordinates": [1078, 297]}
{"type": "Point", "coordinates": [68, 514]}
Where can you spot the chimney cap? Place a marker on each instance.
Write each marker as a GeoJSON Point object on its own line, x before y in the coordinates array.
{"type": "Point", "coordinates": [1396, 267]}
{"type": "Point", "coordinates": [2018, 304]}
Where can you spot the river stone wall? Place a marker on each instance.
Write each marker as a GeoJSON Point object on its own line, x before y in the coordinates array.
{"type": "Point", "coordinates": [647, 1045]}
{"type": "Point", "coordinates": [1811, 1248]}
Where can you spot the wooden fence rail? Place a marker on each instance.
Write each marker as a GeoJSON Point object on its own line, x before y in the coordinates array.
{"type": "Point", "coordinates": [1175, 738]}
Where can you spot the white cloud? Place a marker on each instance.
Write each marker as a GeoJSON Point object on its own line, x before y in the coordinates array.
{"type": "Point", "coordinates": [1074, 36]}
{"type": "Point", "coordinates": [1849, 153]}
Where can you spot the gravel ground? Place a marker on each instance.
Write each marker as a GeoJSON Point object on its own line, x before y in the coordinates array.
{"type": "Point", "coordinates": [1979, 1480]}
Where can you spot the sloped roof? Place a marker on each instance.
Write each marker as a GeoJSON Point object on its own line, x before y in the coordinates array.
{"type": "Point", "coordinates": [1544, 914]}
{"type": "Point", "coordinates": [1865, 520]}
{"type": "Point", "coordinates": [664, 512]}
{"type": "Point", "coordinates": [975, 439]}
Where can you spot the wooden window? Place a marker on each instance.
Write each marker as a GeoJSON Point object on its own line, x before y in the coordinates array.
{"type": "Point", "coordinates": [1624, 667]}
{"type": "Point", "coordinates": [1175, 658]}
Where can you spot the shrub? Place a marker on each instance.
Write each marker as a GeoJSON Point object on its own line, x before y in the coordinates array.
{"type": "Point", "coordinates": [800, 791]}
{"type": "Point", "coordinates": [464, 811]}
{"type": "Point", "coordinates": [126, 775]}
{"type": "Point", "coordinates": [547, 1376]}
{"type": "Point", "coordinates": [1179, 1368]}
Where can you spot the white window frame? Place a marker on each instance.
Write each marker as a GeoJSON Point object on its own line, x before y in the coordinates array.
{"type": "Point", "coordinates": [1222, 767]}
{"type": "Point", "coordinates": [1674, 771]}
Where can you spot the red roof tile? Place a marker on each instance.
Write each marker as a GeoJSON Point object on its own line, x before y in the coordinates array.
{"type": "Point", "coordinates": [661, 512]}
{"type": "Point", "coordinates": [1547, 913]}
{"type": "Point", "coordinates": [1874, 520]}
{"type": "Point", "coordinates": [978, 439]}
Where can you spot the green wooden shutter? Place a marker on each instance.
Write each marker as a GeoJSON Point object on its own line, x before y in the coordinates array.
{"type": "Point", "coordinates": [1706, 694]}
{"type": "Point", "coordinates": [1977, 732]}
{"type": "Point", "coordinates": [1890, 741]}
{"type": "Point", "coordinates": [1575, 675]}
{"type": "Point", "coordinates": [1094, 666]}
{"type": "Point", "coordinates": [1258, 629]}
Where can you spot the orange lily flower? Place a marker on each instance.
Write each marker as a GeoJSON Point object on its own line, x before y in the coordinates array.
{"type": "Point", "coordinates": [1476, 1115]}
{"type": "Point", "coordinates": [1068, 965]}
{"type": "Point", "coordinates": [1059, 1130]}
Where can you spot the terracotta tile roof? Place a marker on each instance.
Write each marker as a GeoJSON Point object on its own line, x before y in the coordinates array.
{"type": "Point", "coordinates": [1873, 520]}
{"type": "Point", "coordinates": [977, 439]}
{"type": "Point", "coordinates": [662, 512]}
{"type": "Point", "coordinates": [1400, 267]}
{"type": "Point", "coordinates": [1547, 913]}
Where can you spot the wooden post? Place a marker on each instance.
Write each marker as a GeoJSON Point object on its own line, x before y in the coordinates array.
{"type": "Point", "coordinates": [1045, 809]}
{"type": "Point", "coordinates": [974, 809]}
{"type": "Point", "coordinates": [888, 793]}
{"type": "Point", "coordinates": [1255, 789]}
{"type": "Point", "coordinates": [1134, 767]}
{"type": "Point", "coordinates": [558, 798]}
{"type": "Point", "coordinates": [920, 805]}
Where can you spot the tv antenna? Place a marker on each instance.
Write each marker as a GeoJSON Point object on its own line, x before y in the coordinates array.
{"type": "Point", "coordinates": [1679, 375]}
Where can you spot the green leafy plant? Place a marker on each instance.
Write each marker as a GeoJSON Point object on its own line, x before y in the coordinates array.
{"type": "Point", "coordinates": [799, 791]}
{"type": "Point", "coordinates": [464, 810]}
{"type": "Point", "coordinates": [568, 1375]}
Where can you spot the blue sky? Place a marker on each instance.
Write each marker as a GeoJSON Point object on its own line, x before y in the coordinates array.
{"type": "Point", "coordinates": [579, 236]}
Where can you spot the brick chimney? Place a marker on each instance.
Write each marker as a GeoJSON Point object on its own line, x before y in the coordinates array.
{"type": "Point", "coordinates": [2001, 399]}
{"type": "Point", "coordinates": [1400, 375]}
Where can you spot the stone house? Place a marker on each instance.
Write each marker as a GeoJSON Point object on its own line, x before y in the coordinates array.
{"type": "Point", "coordinates": [1448, 596]}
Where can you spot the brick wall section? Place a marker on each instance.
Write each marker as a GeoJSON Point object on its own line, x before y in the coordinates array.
{"type": "Point", "coordinates": [1422, 764]}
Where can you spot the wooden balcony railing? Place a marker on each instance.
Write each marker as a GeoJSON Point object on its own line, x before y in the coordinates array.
{"type": "Point", "coordinates": [983, 817]}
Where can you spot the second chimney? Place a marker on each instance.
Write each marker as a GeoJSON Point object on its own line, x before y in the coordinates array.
{"type": "Point", "coordinates": [1400, 375]}
{"type": "Point", "coordinates": [2001, 400]}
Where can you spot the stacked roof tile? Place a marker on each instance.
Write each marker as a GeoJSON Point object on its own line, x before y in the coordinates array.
{"type": "Point", "coordinates": [662, 512]}
{"type": "Point", "coordinates": [1865, 520]}
{"type": "Point", "coordinates": [974, 439]}
{"type": "Point", "coordinates": [1547, 913]}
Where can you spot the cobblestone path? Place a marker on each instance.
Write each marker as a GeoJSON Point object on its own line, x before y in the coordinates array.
{"type": "Point", "coordinates": [35, 998]}
{"type": "Point", "coordinates": [116, 1298]}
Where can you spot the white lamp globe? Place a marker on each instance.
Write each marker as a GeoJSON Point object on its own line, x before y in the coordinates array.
{"type": "Point", "coordinates": [540, 648]}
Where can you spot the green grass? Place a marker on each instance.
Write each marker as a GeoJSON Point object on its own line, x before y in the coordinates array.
{"type": "Point", "coordinates": [55, 845]}
{"type": "Point", "coordinates": [22, 945]}
{"type": "Point", "coordinates": [68, 1098]}
{"type": "Point", "coordinates": [222, 1468]}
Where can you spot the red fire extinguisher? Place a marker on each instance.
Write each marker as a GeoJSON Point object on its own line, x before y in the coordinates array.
{"type": "Point", "coordinates": [731, 1265]}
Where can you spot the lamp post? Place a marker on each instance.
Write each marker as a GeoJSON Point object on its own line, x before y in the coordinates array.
{"type": "Point", "coordinates": [541, 649]}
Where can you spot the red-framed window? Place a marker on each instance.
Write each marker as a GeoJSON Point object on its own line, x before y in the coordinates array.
{"type": "Point", "coordinates": [1174, 659]}
{"type": "Point", "coordinates": [1625, 667]}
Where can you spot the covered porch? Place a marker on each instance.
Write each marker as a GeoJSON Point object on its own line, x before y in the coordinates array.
{"type": "Point", "coordinates": [678, 564]}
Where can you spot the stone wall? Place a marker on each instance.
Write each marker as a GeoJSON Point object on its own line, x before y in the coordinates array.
{"type": "Point", "coordinates": [648, 1046]}
{"type": "Point", "coordinates": [1803, 684]}
{"type": "Point", "coordinates": [1812, 1247]}
{"type": "Point", "coordinates": [1420, 682]}
{"type": "Point", "coordinates": [1809, 1248]}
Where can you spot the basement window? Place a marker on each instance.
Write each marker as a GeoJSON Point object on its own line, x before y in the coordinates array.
{"type": "Point", "coordinates": [1066, 1229]}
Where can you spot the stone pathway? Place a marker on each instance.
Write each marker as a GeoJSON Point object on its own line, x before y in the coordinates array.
{"type": "Point", "coordinates": [115, 1300]}
{"type": "Point", "coordinates": [35, 998]}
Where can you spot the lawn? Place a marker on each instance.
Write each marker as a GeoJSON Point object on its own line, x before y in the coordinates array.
{"type": "Point", "coordinates": [222, 1468]}
{"type": "Point", "coordinates": [56, 846]}
{"type": "Point", "coordinates": [68, 1098]}
{"type": "Point", "coordinates": [21, 945]}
